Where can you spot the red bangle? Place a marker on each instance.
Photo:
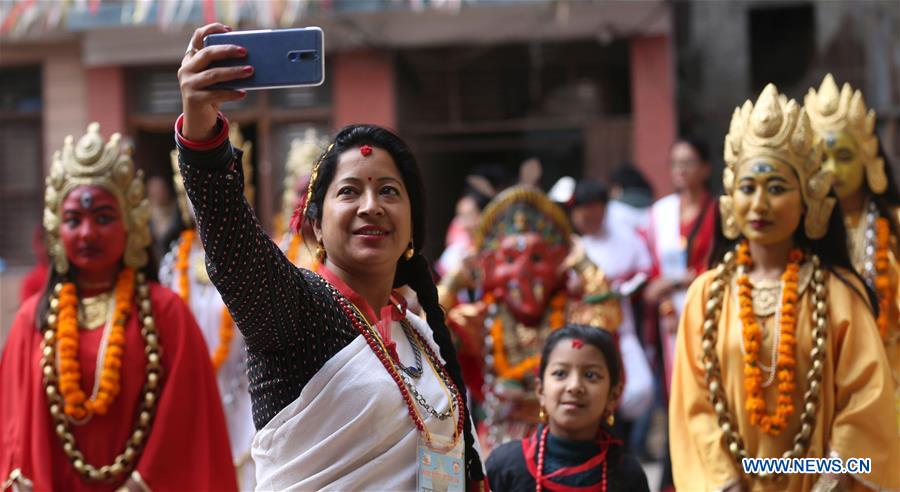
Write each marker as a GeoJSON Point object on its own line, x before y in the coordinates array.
{"type": "Point", "coordinates": [207, 144]}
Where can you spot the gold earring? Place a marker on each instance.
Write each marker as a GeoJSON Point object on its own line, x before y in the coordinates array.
{"type": "Point", "coordinates": [542, 416]}
{"type": "Point", "coordinates": [410, 251]}
{"type": "Point", "coordinates": [610, 419]}
{"type": "Point", "coordinates": [730, 228]}
{"type": "Point", "coordinates": [320, 252]}
{"type": "Point", "coordinates": [876, 176]}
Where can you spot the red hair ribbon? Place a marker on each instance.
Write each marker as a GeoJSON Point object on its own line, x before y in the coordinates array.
{"type": "Point", "coordinates": [365, 150]}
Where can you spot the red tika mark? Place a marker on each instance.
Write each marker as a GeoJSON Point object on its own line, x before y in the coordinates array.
{"type": "Point", "coordinates": [365, 150]}
{"type": "Point", "coordinates": [577, 344]}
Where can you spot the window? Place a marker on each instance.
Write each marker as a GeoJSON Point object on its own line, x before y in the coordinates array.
{"type": "Point", "coordinates": [21, 162]}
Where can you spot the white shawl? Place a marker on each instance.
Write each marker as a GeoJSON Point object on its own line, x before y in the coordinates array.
{"type": "Point", "coordinates": [349, 429]}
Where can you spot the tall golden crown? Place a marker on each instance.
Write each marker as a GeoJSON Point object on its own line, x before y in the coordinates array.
{"type": "Point", "coordinates": [106, 164]}
{"type": "Point", "coordinates": [237, 141]}
{"type": "Point", "coordinates": [779, 129]}
{"type": "Point", "coordinates": [833, 110]}
{"type": "Point", "coordinates": [300, 159]}
{"type": "Point", "coordinates": [184, 205]}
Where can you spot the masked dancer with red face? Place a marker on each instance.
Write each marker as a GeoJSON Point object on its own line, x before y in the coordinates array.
{"type": "Point", "coordinates": [105, 381]}
{"type": "Point", "coordinates": [778, 354]}
{"type": "Point", "coordinates": [868, 193]}
{"type": "Point", "coordinates": [533, 283]}
{"type": "Point", "coordinates": [350, 390]}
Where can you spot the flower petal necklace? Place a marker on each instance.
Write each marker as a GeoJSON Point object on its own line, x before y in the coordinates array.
{"type": "Point", "coordinates": [226, 323]}
{"type": "Point", "coordinates": [783, 349]}
{"type": "Point", "coordinates": [57, 366]}
{"type": "Point", "coordinates": [711, 365]}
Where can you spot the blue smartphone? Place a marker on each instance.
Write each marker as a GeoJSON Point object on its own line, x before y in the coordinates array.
{"type": "Point", "coordinates": [280, 57]}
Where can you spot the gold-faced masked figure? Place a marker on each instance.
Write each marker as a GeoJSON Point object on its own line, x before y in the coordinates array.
{"type": "Point", "coordinates": [92, 161]}
{"type": "Point", "coordinates": [776, 131]}
{"type": "Point", "coordinates": [872, 218]}
{"type": "Point", "coordinates": [776, 334]}
{"type": "Point", "coordinates": [847, 130]}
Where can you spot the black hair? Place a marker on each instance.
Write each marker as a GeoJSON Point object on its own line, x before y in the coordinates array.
{"type": "Point", "coordinates": [150, 271]}
{"type": "Point", "coordinates": [700, 146]}
{"type": "Point", "coordinates": [415, 272]}
{"type": "Point", "coordinates": [599, 338]}
{"type": "Point", "coordinates": [629, 177]}
{"type": "Point", "coordinates": [888, 201]}
{"type": "Point", "coordinates": [831, 250]}
{"type": "Point", "coordinates": [481, 200]}
{"type": "Point", "coordinates": [590, 191]}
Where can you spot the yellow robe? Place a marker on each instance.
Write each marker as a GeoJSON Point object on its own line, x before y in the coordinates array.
{"type": "Point", "coordinates": [855, 417]}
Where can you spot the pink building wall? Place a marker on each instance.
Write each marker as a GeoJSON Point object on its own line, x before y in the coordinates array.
{"type": "Point", "coordinates": [363, 89]}
{"type": "Point", "coordinates": [653, 108]}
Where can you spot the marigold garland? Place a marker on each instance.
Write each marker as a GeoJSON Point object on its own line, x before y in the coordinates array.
{"type": "Point", "coordinates": [293, 248]}
{"type": "Point", "coordinates": [752, 334]}
{"type": "Point", "coordinates": [882, 279]}
{"type": "Point", "coordinates": [77, 405]}
{"type": "Point", "coordinates": [226, 323]}
{"type": "Point", "coordinates": [557, 319]}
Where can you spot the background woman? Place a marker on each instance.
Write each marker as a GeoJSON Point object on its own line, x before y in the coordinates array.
{"type": "Point", "coordinates": [778, 353]}
{"type": "Point", "coordinates": [680, 237]}
{"type": "Point", "coordinates": [347, 386]}
{"type": "Point", "coordinates": [105, 380]}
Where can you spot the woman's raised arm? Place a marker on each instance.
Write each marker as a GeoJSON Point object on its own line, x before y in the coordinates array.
{"type": "Point", "coordinates": [264, 292]}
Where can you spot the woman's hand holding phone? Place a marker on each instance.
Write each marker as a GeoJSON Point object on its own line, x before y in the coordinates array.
{"type": "Point", "coordinates": [199, 103]}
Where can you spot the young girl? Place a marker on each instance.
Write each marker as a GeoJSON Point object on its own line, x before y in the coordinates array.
{"type": "Point", "coordinates": [579, 382]}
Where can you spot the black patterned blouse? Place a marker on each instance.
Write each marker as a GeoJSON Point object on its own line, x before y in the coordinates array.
{"type": "Point", "coordinates": [290, 321]}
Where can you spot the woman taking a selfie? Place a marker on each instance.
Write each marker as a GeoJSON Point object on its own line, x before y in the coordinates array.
{"type": "Point", "coordinates": [350, 391]}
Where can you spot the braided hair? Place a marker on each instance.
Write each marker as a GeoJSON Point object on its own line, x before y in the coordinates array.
{"type": "Point", "coordinates": [414, 272]}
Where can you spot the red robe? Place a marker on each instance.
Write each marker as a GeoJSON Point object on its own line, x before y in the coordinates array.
{"type": "Point", "coordinates": [187, 448]}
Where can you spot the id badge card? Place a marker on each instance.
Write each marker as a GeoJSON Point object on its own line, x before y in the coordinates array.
{"type": "Point", "coordinates": [440, 466]}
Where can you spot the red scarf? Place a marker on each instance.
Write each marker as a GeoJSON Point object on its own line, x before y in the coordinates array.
{"type": "Point", "coordinates": [395, 311]}
{"type": "Point", "coordinates": [530, 446]}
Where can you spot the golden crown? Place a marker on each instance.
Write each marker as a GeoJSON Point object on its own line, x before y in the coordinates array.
{"type": "Point", "coordinates": [779, 129]}
{"type": "Point", "coordinates": [107, 164]}
{"type": "Point", "coordinates": [518, 210]}
{"type": "Point", "coordinates": [833, 110]}
{"type": "Point", "coordinates": [237, 141]}
{"type": "Point", "coordinates": [300, 159]}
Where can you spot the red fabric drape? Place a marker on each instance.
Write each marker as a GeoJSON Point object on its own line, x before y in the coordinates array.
{"type": "Point", "coordinates": [187, 448]}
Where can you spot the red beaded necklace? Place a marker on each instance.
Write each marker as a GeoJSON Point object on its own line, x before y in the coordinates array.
{"type": "Point", "coordinates": [542, 447]}
{"type": "Point", "coordinates": [366, 331]}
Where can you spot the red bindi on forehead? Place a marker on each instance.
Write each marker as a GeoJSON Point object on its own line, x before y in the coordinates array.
{"type": "Point", "coordinates": [577, 344]}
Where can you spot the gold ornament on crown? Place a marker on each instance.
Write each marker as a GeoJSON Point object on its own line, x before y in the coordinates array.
{"type": "Point", "coordinates": [91, 161]}
{"type": "Point", "coordinates": [833, 110]}
{"type": "Point", "coordinates": [238, 142]}
{"type": "Point", "coordinates": [777, 128]}
{"type": "Point", "coordinates": [300, 159]}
